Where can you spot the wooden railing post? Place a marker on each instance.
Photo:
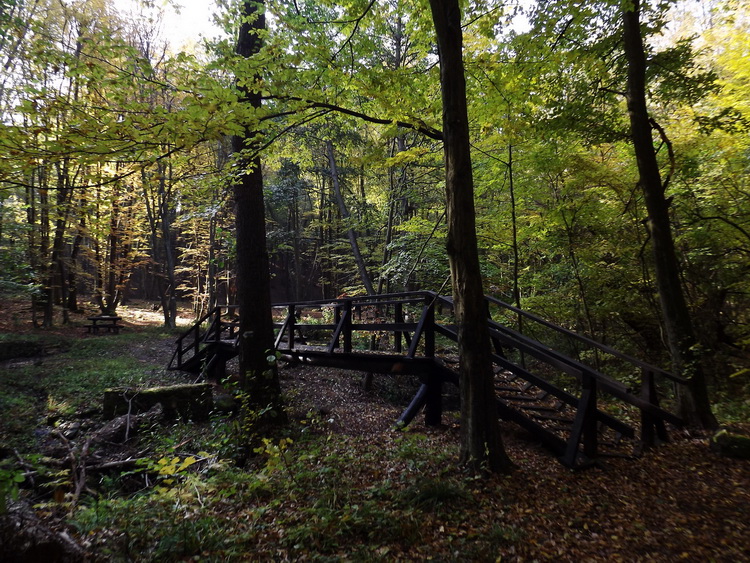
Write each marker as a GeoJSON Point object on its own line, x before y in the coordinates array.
{"type": "Point", "coordinates": [179, 354]}
{"type": "Point", "coordinates": [429, 329]}
{"type": "Point", "coordinates": [584, 425]}
{"type": "Point", "coordinates": [291, 315]}
{"type": "Point", "coordinates": [398, 317]}
{"type": "Point", "coordinates": [347, 329]}
{"type": "Point", "coordinates": [652, 428]}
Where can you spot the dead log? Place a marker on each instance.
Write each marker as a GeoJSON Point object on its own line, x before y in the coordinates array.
{"type": "Point", "coordinates": [189, 402]}
{"type": "Point", "coordinates": [120, 429]}
{"type": "Point", "coordinates": [727, 444]}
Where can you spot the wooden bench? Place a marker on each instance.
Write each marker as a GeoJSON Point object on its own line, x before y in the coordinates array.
{"type": "Point", "coordinates": [103, 322]}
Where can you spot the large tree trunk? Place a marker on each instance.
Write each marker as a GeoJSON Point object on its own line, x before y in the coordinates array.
{"type": "Point", "coordinates": [481, 442]}
{"type": "Point", "coordinates": [258, 376]}
{"type": "Point", "coordinates": [694, 403]}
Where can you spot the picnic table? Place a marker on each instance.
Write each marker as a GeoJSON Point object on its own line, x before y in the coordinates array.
{"type": "Point", "coordinates": [104, 322]}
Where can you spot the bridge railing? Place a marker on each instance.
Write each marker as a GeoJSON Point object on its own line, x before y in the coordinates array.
{"type": "Point", "coordinates": [647, 376]}
{"type": "Point", "coordinates": [215, 325]}
{"type": "Point", "coordinates": [416, 333]}
{"type": "Point", "coordinates": [350, 323]}
{"type": "Point", "coordinates": [417, 318]}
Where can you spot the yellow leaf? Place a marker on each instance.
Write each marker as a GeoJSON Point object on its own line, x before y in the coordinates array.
{"type": "Point", "coordinates": [187, 463]}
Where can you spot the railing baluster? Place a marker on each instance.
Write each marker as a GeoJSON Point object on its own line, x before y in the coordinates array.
{"type": "Point", "coordinates": [347, 330]}
{"type": "Point", "coordinates": [398, 317]}
{"type": "Point", "coordinates": [292, 316]}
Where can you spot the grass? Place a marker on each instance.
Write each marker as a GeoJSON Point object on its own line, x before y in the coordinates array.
{"type": "Point", "coordinates": [68, 383]}
{"type": "Point", "coordinates": [30, 345]}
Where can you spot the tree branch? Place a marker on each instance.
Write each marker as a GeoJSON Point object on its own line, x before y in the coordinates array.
{"type": "Point", "coordinates": [420, 126]}
{"type": "Point", "coordinates": [670, 151]}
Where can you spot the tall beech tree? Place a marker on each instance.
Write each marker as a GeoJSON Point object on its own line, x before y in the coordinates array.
{"type": "Point", "coordinates": [258, 375]}
{"type": "Point", "coordinates": [693, 399]}
{"type": "Point", "coordinates": [481, 441]}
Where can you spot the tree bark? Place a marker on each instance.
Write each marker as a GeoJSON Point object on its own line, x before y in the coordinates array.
{"type": "Point", "coordinates": [694, 404]}
{"type": "Point", "coordinates": [258, 377]}
{"type": "Point", "coordinates": [481, 442]}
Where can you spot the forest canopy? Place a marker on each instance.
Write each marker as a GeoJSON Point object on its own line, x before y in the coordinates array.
{"type": "Point", "coordinates": [116, 168]}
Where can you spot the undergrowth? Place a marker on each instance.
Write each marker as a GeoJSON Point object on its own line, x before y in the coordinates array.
{"type": "Point", "coordinates": [313, 498]}
{"type": "Point", "coordinates": [302, 493]}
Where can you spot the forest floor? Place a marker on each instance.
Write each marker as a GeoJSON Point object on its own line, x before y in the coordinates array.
{"type": "Point", "coordinates": [338, 483]}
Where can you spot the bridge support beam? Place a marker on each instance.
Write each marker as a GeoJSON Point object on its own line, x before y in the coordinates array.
{"type": "Point", "coordinates": [433, 412]}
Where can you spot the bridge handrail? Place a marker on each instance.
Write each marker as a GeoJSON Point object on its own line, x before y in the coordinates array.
{"type": "Point", "coordinates": [414, 296]}
{"type": "Point", "coordinates": [420, 335]}
{"type": "Point", "coordinates": [588, 341]}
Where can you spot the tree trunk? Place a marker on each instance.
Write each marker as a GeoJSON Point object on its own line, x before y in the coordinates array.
{"type": "Point", "coordinates": [157, 196]}
{"type": "Point", "coordinates": [361, 268]}
{"type": "Point", "coordinates": [694, 404]}
{"type": "Point", "coordinates": [71, 298]}
{"type": "Point", "coordinates": [481, 442]}
{"type": "Point", "coordinates": [168, 216]}
{"type": "Point", "coordinates": [258, 376]}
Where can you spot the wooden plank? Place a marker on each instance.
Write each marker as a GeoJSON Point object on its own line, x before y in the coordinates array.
{"type": "Point", "coordinates": [539, 408]}
{"type": "Point", "coordinates": [523, 398]}
{"type": "Point", "coordinates": [552, 417]}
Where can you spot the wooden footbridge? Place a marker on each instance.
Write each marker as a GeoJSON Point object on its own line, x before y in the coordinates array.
{"type": "Point", "coordinates": [582, 404]}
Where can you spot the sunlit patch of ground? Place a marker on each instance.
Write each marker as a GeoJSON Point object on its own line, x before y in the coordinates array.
{"type": "Point", "coordinates": [16, 316]}
{"type": "Point", "coordinates": [144, 313]}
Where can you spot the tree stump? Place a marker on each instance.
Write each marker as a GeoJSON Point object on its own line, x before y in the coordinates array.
{"type": "Point", "coordinates": [189, 401]}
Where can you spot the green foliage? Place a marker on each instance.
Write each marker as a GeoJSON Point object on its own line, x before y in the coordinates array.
{"type": "Point", "coordinates": [10, 480]}
{"type": "Point", "coordinates": [169, 469]}
{"type": "Point", "coordinates": [182, 530]}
